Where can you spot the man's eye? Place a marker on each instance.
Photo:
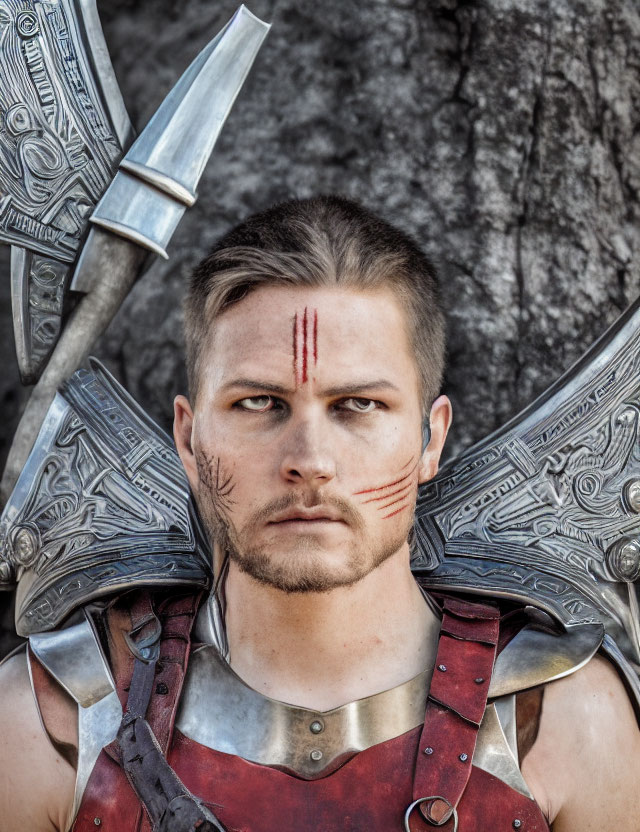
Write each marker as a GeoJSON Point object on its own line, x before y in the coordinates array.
{"type": "Point", "coordinates": [256, 404]}
{"type": "Point", "coordinates": [359, 405]}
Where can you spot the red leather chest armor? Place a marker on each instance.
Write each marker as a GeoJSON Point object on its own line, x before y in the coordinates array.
{"type": "Point", "coordinates": [370, 793]}
{"type": "Point", "coordinates": [429, 766]}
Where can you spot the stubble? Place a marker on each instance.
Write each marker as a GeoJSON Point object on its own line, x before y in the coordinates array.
{"type": "Point", "coordinates": [305, 568]}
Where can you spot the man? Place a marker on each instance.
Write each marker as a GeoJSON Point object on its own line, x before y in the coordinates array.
{"type": "Point", "coordinates": [315, 352]}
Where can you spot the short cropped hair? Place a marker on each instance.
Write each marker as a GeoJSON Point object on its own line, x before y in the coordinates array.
{"type": "Point", "coordinates": [318, 242]}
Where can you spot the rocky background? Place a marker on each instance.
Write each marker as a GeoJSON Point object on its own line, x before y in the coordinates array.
{"type": "Point", "coordinates": [504, 135]}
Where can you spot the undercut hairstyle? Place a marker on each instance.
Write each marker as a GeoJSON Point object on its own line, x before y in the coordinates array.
{"type": "Point", "coordinates": [320, 242]}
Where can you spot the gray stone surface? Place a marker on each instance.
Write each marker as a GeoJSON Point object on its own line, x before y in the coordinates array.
{"type": "Point", "coordinates": [502, 134]}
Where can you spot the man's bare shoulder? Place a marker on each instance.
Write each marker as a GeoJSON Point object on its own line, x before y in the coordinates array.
{"type": "Point", "coordinates": [584, 767]}
{"type": "Point", "coordinates": [37, 783]}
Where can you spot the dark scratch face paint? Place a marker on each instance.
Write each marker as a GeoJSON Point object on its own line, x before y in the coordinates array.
{"type": "Point", "coordinates": [392, 495]}
{"type": "Point", "coordinates": [214, 499]}
{"type": "Point", "coordinates": [305, 344]}
{"type": "Point", "coordinates": [218, 482]}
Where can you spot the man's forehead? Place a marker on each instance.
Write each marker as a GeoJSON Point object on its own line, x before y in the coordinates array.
{"type": "Point", "coordinates": [329, 338]}
{"type": "Point", "coordinates": [308, 327]}
{"type": "Point", "coordinates": [344, 311]}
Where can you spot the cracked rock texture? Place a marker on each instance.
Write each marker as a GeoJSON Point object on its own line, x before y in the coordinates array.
{"type": "Point", "coordinates": [504, 135]}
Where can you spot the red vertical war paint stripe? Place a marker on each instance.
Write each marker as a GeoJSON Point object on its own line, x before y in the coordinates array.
{"type": "Point", "coordinates": [315, 336]}
{"type": "Point", "coordinates": [305, 340]}
{"type": "Point", "coordinates": [295, 347]}
{"type": "Point", "coordinates": [304, 347]}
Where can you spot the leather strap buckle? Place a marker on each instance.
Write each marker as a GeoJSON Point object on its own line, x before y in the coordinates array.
{"type": "Point", "coordinates": [143, 640]}
{"type": "Point", "coordinates": [425, 804]}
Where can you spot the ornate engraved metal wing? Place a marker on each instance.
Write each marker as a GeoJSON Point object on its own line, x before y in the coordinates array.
{"type": "Point", "coordinates": [547, 509]}
{"type": "Point", "coordinates": [64, 129]}
{"type": "Point", "coordinates": [101, 506]}
{"type": "Point", "coordinates": [138, 212]}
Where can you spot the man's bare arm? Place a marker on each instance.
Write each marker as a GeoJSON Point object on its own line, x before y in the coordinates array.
{"type": "Point", "coordinates": [36, 783]}
{"type": "Point", "coordinates": [584, 768]}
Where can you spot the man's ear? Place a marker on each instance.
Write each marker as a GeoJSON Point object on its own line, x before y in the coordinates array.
{"type": "Point", "coordinates": [439, 423]}
{"type": "Point", "coordinates": [182, 434]}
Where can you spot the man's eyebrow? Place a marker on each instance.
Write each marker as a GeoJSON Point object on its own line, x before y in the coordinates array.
{"type": "Point", "coordinates": [254, 384]}
{"type": "Point", "coordinates": [353, 388]}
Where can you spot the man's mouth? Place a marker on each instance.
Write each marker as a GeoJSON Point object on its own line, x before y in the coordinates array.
{"type": "Point", "coordinates": [315, 515]}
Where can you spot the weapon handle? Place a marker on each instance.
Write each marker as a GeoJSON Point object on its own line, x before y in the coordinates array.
{"type": "Point", "coordinates": [118, 263]}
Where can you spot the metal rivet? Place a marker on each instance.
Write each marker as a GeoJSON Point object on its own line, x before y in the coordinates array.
{"type": "Point", "coordinates": [97, 821]}
{"type": "Point", "coordinates": [316, 727]}
{"type": "Point", "coordinates": [25, 546]}
{"type": "Point", "coordinates": [517, 823]}
{"type": "Point", "coordinates": [623, 559]}
{"type": "Point", "coordinates": [632, 495]}
{"type": "Point", "coordinates": [479, 680]}
{"type": "Point", "coordinates": [316, 755]}
{"type": "Point", "coordinates": [428, 750]}
{"type": "Point", "coordinates": [463, 757]}
{"type": "Point", "coordinates": [442, 667]}
{"type": "Point", "coordinates": [162, 689]}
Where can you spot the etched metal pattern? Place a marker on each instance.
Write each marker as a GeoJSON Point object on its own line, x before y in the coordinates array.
{"type": "Point", "coordinates": [39, 286]}
{"type": "Point", "coordinates": [158, 177]}
{"type": "Point", "coordinates": [59, 150]}
{"type": "Point", "coordinates": [102, 505]}
{"type": "Point", "coordinates": [546, 509]}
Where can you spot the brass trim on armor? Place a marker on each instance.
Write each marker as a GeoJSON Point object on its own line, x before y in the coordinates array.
{"type": "Point", "coordinates": [535, 657]}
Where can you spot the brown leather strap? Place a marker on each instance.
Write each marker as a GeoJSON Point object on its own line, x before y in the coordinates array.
{"type": "Point", "coordinates": [108, 796]}
{"type": "Point", "coordinates": [456, 705]}
{"type": "Point", "coordinates": [169, 805]}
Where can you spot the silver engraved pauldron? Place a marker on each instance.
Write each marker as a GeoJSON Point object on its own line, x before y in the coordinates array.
{"type": "Point", "coordinates": [102, 505]}
{"type": "Point", "coordinates": [547, 509]}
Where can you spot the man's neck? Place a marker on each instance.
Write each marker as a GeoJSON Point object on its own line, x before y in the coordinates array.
{"type": "Point", "coordinates": [322, 650]}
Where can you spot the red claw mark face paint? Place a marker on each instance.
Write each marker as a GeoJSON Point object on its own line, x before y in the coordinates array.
{"type": "Point", "coordinates": [392, 497]}
{"type": "Point", "coordinates": [305, 344]}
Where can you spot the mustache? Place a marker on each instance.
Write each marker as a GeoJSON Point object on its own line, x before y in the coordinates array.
{"type": "Point", "coordinates": [309, 499]}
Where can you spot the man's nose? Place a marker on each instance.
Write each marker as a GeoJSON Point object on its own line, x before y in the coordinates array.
{"type": "Point", "coordinates": [307, 457]}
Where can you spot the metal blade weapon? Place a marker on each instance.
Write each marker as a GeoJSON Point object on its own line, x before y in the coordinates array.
{"type": "Point", "coordinates": [136, 214]}
{"type": "Point", "coordinates": [64, 130]}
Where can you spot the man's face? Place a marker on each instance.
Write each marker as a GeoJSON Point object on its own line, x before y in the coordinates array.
{"type": "Point", "coordinates": [304, 449]}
